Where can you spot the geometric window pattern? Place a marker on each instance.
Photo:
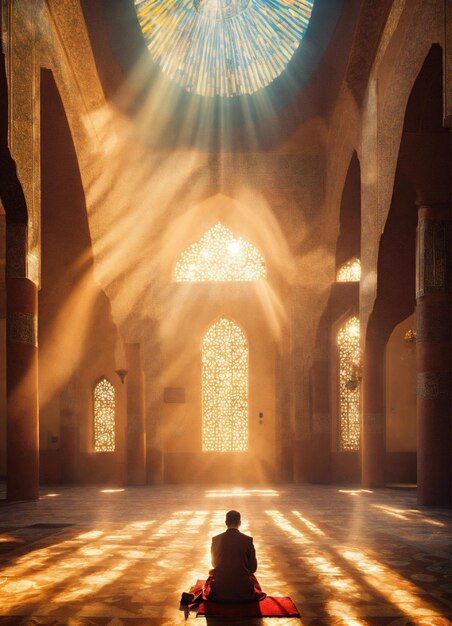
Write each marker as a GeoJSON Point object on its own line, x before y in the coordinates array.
{"type": "Point", "coordinates": [218, 256]}
{"type": "Point", "coordinates": [224, 388]}
{"type": "Point", "coordinates": [223, 47]}
{"type": "Point", "coordinates": [349, 413]}
{"type": "Point", "coordinates": [104, 416]}
{"type": "Point", "coordinates": [350, 272]}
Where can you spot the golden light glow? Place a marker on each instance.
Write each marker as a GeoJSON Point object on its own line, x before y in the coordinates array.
{"type": "Point", "coordinates": [341, 589]}
{"type": "Point", "coordinates": [354, 492]}
{"type": "Point", "coordinates": [391, 511]}
{"type": "Point", "coordinates": [345, 588]}
{"type": "Point", "coordinates": [397, 589]}
{"type": "Point", "coordinates": [352, 582]}
{"type": "Point", "coordinates": [297, 536]}
{"type": "Point", "coordinates": [218, 256]}
{"type": "Point", "coordinates": [350, 272]}
{"type": "Point", "coordinates": [225, 388]}
{"type": "Point", "coordinates": [349, 414]}
{"type": "Point", "coordinates": [315, 529]}
{"type": "Point", "coordinates": [111, 490]}
{"type": "Point", "coordinates": [407, 514]}
{"type": "Point", "coordinates": [241, 493]}
{"type": "Point", "coordinates": [342, 611]}
{"type": "Point", "coordinates": [104, 416]}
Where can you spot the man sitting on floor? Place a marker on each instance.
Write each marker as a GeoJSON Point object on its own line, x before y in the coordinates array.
{"type": "Point", "coordinates": [234, 563]}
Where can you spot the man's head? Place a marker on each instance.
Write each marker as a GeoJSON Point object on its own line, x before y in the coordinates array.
{"type": "Point", "coordinates": [233, 519]}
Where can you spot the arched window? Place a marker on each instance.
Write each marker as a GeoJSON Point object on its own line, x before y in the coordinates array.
{"type": "Point", "coordinates": [219, 256]}
{"type": "Point", "coordinates": [350, 272]}
{"type": "Point", "coordinates": [104, 416]}
{"type": "Point", "coordinates": [349, 414]}
{"type": "Point", "coordinates": [224, 388]}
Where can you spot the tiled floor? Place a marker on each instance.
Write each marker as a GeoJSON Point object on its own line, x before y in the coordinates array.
{"type": "Point", "coordinates": [91, 555]}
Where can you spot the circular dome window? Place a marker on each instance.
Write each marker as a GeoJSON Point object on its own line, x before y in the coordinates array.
{"type": "Point", "coordinates": [223, 47]}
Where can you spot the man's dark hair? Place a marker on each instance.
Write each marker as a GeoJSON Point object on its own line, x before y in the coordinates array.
{"type": "Point", "coordinates": [232, 518]}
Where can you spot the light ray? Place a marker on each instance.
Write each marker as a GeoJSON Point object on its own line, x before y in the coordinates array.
{"type": "Point", "coordinates": [279, 519]}
{"type": "Point", "coordinates": [315, 529]}
{"type": "Point", "coordinates": [241, 493]}
{"type": "Point", "coordinates": [391, 585]}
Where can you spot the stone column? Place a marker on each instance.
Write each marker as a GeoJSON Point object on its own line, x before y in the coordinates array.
{"type": "Point", "coordinates": [135, 435]}
{"type": "Point", "coordinates": [433, 347]}
{"type": "Point", "coordinates": [22, 390]}
{"type": "Point", "coordinates": [302, 443]}
{"type": "Point", "coordinates": [302, 457]}
{"type": "Point", "coordinates": [373, 427]}
{"type": "Point", "coordinates": [69, 433]}
{"type": "Point", "coordinates": [321, 423]}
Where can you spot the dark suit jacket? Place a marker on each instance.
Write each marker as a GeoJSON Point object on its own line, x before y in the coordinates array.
{"type": "Point", "coordinates": [234, 562]}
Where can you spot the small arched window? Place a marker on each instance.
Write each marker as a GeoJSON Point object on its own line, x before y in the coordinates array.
{"type": "Point", "coordinates": [349, 272]}
{"type": "Point", "coordinates": [349, 413]}
{"type": "Point", "coordinates": [219, 256]}
{"type": "Point", "coordinates": [224, 388]}
{"type": "Point", "coordinates": [104, 416]}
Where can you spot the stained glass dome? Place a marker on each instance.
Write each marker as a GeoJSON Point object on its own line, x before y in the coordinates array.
{"type": "Point", "coordinates": [223, 47]}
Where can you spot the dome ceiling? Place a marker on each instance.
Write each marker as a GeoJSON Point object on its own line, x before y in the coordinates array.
{"type": "Point", "coordinates": [211, 74]}
{"type": "Point", "coordinates": [223, 47]}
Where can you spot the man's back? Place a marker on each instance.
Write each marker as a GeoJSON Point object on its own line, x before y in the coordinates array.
{"type": "Point", "coordinates": [233, 551]}
{"type": "Point", "coordinates": [234, 561]}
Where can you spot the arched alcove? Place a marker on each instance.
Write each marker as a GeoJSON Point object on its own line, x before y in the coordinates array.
{"type": "Point", "coordinates": [422, 175]}
{"type": "Point", "coordinates": [400, 374]}
{"type": "Point", "coordinates": [349, 241]}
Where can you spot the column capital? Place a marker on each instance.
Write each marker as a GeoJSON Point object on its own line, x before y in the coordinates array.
{"type": "Point", "coordinates": [434, 210]}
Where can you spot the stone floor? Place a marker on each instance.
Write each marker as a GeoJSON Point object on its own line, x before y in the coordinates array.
{"type": "Point", "coordinates": [105, 556]}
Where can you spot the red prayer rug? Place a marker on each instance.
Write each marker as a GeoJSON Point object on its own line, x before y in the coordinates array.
{"type": "Point", "coordinates": [269, 607]}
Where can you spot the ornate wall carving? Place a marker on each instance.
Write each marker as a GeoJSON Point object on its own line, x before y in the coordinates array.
{"type": "Point", "coordinates": [24, 131]}
{"type": "Point", "coordinates": [434, 258]}
{"type": "Point", "coordinates": [22, 328]}
{"type": "Point", "coordinates": [50, 35]}
{"type": "Point", "coordinates": [433, 385]}
{"type": "Point", "coordinates": [423, 28]}
{"type": "Point", "coordinates": [417, 25]}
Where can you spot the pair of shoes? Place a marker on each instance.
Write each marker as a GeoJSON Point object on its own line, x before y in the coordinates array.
{"type": "Point", "coordinates": [186, 598]}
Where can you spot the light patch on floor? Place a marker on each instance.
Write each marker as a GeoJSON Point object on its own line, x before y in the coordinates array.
{"type": "Point", "coordinates": [374, 558]}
